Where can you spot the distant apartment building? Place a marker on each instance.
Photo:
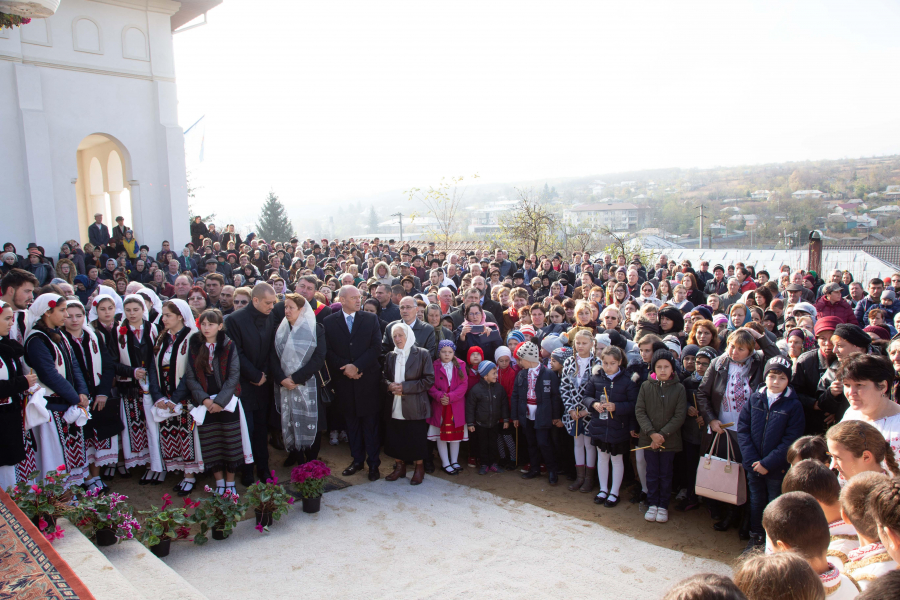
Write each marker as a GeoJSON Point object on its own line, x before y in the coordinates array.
{"type": "Point", "coordinates": [618, 216]}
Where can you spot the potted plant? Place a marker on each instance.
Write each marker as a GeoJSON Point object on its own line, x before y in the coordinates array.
{"type": "Point", "coordinates": [219, 514]}
{"type": "Point", "coordinates": [105, 519]}
{"type": "Point", "coordinates": [269, 500]}
{"type": "Point", "coordinates": [161, 526]}
{"type": "Point", "coordinates": [308, 480]}
{"type": "Point", "coordinates": [45, 500]}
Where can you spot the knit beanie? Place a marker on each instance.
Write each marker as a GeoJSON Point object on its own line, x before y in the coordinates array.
{"type": "Point", "coordinates": [474, 350]}
{"type": "Point", "coordinates": [561, 354]}
{"type": "Point", "coordinates": [707, 352]}
{"type": "Point", "coordinates": [551, 343]}
{"type": "Point", "coordinates": [826, 324]}
{"type": "Point", "coordinates": [781, 364]}
{"type": "Point", "coordinates": [446, 344]}
{"type": "Point", "coordinates": [500, 352]}
{"type": "Point", "coordinates": [720, 319]}
{"type": "Point", "coordinates": [661, 355]}
{"type": "Point", "coordinates": [690, 350]}
{"type": "Point", "coordinates": [485, 366]}
{"type": "Point", "coordinates": [515, 334]}
{"type": "Point", "coordinates": [853, 334]}
{"type": "Point", "coordinates": [528, 351]}
{"type": "Point", "coordinates": [527, 330]}
{"type": "Point", "coordinates": [878, 330]}
{"type": "Point", "coordinates": [673, 344]}
{"type": "Point", "coordinates": [704, 311]}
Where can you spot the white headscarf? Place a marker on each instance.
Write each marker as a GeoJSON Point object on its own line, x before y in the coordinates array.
{"type": "Point", "coordinates": [111, 294]}
{"type": "Point", "coordinates": [41, 305]}
{"type": "Point", "coordinates": [186, 313]}
{"type": "Point", "coordinates": [400, 364]}
{"type": "Point", "coordinates": [154, 300]}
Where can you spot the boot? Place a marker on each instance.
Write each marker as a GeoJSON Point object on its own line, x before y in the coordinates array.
{"type": "Point", "coordinates": [732, 518]}
{"type": "Point", "coordinates": [399, 471]}
{"type": "Point", "coordinates": [579, 478]}
{"type": "Point", "coordinates": [589, 475]}
{"type": "Point", "coordinates": [418, 474]}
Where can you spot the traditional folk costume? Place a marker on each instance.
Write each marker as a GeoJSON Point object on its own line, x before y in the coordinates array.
{"type": "Point", "coordinates": [101, 433]}
{"type": "Point", "coordinates": [868, 563]}
{"type": "Point", "coordinates": [140, 437]}
{"type": "Point", "coordinates": [60, 441]}
{"type": "Point", "coordinates": [14, 460]}
{"type": "Point", "coordinates": [107, 336]}
{"type": "Point", "coordinates": [837, 585]}
{"type": "Point", "coordinates": [178, 438]}
{"type": "Point", "coordinates": [223, 436]}
{"type": "Point", "coordinates": [843, 541]}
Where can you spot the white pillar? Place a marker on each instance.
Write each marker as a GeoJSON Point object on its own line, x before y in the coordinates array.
{"type": "Point", "coordinates": [137, 220]}
{"type": "Point", "coordinates": [115, 204]}
{"type": "Point", "coordinates": [98, 205]}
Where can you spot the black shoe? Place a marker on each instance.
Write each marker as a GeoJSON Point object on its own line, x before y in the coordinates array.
{"type": "Point", "coordinates": [186, 488]}
{"type": "Point", "coordinates": [756, 544]}
{"type": "Point", "coordinates": [429, 466]}
{"type": "Point", "coordinates": [247, 476]}
{"type": "Point", "coordinates": [610, 503]}
{"type": "Point", "coordinates": [352, 469]}
{"type": "Point", "coordinates": [123, 472]}
{"type": "Point", "coordinates": [276, 441]}
{"type": "Point", "coordinates": [730, 520]}
{"type": "Point", "coordinates": [598, 499]}
{"type": "Point", "coordinates": [374, 474]}
{"type": "Point", "coordinates": [293, 458]}
{"type": "Point", "coordinates": [553, 478]}
{"type": "Point", "coordinates": [108, 473]}
{"type": "Point", "coordinates": [530, 474]}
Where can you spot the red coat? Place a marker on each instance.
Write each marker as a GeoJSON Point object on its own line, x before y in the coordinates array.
{"type": "Point", "coordinates": [841, 310]}
{"type": "Point", "coordinates": [455, 389]}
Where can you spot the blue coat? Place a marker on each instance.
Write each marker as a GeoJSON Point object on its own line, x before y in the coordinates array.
{"type": "Point", "coordinates": [623, 392]}
{"type": "Point", "coordinates": [549, 401]}
{"type": "Point", "coordinates": [765, 434]}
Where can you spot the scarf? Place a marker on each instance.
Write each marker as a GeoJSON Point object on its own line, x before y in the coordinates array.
{"type": "Point", "coordinates": [508, 379]}
{"type": "Point", "coordinates": [299, 407]}
{"type": "Point", "coordinates": [400, 366]}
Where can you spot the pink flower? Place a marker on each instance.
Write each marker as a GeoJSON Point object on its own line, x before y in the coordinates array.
{"type": "Point", "coordinates": [51, 480]}
{"type": "Point", "coordinates": [16, 489]}
{"type": "Point", "coordinates": [42, 524]}
{"type": "Point", "coordinates": [290, 500]}
{"type": "Point", "coordinates": [167, 501]}
{"type": "Point", "coordinates": [207, 488]}
{"type": "Point", "coordinates": [259, 527]}
{"type": "Point", "coordinates": [36, 489]}
{"type": "Point", "coordinates": [61, 469]}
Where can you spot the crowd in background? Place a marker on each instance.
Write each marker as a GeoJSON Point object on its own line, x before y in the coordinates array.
{"type": "Point", "coordinates": [613, 371]}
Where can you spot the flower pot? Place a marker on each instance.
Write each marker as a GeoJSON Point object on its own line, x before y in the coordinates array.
{"type": "Point", "coordinates": [219, 534]}
{"type": "Point", "coordinates": [30, 8]}
{"type": "Point", "coordinates": [49, 519]}
{"type": "Point", "coordinates": [312, 505]}
{"type": "Point", "coordinates": [162, 548]}
{"type": "Point", "coordinates": [263, 518]}
{"type": "Point", "coordinates": [105, 536]}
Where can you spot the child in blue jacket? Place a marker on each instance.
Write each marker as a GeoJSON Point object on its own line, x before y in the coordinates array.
{"type": "Point", "coordinates": [768, 424]}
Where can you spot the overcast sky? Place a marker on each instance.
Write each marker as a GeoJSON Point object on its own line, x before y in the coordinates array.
{"type": "Point", "coordinates": [324, 101]}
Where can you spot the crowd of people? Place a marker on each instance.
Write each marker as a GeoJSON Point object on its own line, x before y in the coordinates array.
{"type": "Point", "coordinates": [117, 356]}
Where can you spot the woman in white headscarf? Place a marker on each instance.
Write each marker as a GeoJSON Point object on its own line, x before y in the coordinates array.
{"type": "Point", "coordinates": [101, 432]}
{"type": "Point", "coordinates": [16, 454]}
{"type": "Point", "coordinates": [408, 374]}
{"type": "Point", "coordinates": [300, 350]}
{"type": "Point", "coordinates": [153, 303]}
{"type": "Point", "coordinates": [178, 442]}
{"type": "Point", "coordinates": [61, 440]}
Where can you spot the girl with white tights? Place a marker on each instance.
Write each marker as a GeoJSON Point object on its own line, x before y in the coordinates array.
{"type": "Point", "coordinates": [611, 395]}
{"type": "Point", "coordinates": [576, 372]}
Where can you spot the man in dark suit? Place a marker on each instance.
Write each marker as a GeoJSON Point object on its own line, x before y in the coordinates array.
{"type": "Point", "coordinates": [473, 296]}
{"type": "Point", "coordinates": [487, 304]}
{"type": "Point", "coordinates": [423, 331]}
{"type": "Point", "coordinates": [98, 233]}
{"type": "Point", "coordinates": [353, 338]}
{"type": "Point", "coordinates": [252, 329]}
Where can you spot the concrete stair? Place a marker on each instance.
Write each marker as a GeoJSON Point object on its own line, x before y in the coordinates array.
{"type": "Point", "coordinates": [125, 570]}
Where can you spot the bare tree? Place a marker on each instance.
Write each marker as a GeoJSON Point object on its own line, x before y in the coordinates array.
{"type": "Point", "coordinates": [617, 243]}
{"type": "Point", "coordinates": [528, 227]}
{"type": "Point", "coordinates": [443, 203]}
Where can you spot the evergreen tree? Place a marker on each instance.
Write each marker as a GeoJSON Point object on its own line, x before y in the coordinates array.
{"type": "Point", "coordinates": [273, 222]}
{"type": "Point", "coordinates": [373, 220]}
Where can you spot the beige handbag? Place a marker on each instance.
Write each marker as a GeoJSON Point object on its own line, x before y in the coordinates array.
{"type": "Point", "coordinates": [721, 479]}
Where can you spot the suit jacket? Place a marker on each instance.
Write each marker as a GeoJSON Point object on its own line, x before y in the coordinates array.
{"type": "Point", "coordinates": [98, 236]}
{"type": "Point", "coordinates": [492, 307]}
{"type": "Point", "coordinates": [362, 348]}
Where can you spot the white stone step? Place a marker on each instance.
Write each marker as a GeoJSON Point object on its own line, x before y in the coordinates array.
{"type": "Point", "coordinates": [149, 574]}
{"type": "Point", "coordinates": [93, 568]}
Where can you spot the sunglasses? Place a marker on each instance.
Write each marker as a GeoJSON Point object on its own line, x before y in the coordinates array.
{"type": "Point", "coordinates": [241, 302]}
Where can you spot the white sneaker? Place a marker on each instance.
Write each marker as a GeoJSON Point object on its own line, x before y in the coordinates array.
{"type": "Point", "coordinates": [333, 438]}
{"type": "Point", "coordinates": [662, 515]}
{"type": "Point", "coordinates": [650, 515]}
{"type": "Point", "coordinates": [343, 437]}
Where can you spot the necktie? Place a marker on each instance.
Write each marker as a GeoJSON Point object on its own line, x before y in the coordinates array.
{"type": "Point", "coordinates": [350, 323]}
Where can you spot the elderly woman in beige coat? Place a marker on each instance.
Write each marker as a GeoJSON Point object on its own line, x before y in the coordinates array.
{"type": "Point", "coordinates": [408, 375]}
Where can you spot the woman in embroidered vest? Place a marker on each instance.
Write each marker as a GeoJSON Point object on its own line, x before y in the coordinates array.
{"type": "Point", "coordinates": [212, 382]}
{"type": "Point", "coordinates": [14, 463]}
{"type": "Point", "coordinates": [101, 432]}
{"type": "Point", "coordinates": [104, 316]}
{"type": "Point", "coordinates": [139, 389]}
{"type": "Point", "coordinates": [48, 352]}
{"type": "Point", "coordinates": [177, 438]}
{"type": "Point", "coordinates": [298, 357]}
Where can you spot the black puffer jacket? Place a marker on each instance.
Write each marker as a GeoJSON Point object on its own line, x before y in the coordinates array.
{"type": "Point", "coordinates": [486, 405]}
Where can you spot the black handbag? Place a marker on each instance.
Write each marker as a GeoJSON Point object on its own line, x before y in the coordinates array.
{"type": "Point", "coordinates": [325, 385]}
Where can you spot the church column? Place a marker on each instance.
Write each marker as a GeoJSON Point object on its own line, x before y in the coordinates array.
{"type": "Point", "coordinates": [137, 220]}
{"type": "Point", "coordinates": [115, 205]}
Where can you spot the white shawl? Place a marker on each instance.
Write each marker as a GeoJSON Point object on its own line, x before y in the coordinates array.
{"type": "Point", "coordinates": [299, 406]}
{"type": "Point", "coordinates": [400, 365]}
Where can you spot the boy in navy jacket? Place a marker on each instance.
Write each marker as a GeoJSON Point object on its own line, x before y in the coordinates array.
{"type": "Point", "coordinates": [768, 424]}
{"type": "Point", "coordinates": [537, 407]}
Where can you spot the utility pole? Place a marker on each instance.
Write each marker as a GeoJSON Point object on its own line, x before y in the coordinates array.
{"type": "Point", "coordinates": [399, 215]}
{"type": "Point", "coordinates": [700, 231]}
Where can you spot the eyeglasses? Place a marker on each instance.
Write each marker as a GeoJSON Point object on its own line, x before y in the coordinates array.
{"type": "Point", "coordinates": [241, 302]}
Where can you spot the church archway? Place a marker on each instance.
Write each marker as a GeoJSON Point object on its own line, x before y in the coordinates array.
{"type": "Point", "coordinates": [102, 187]}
